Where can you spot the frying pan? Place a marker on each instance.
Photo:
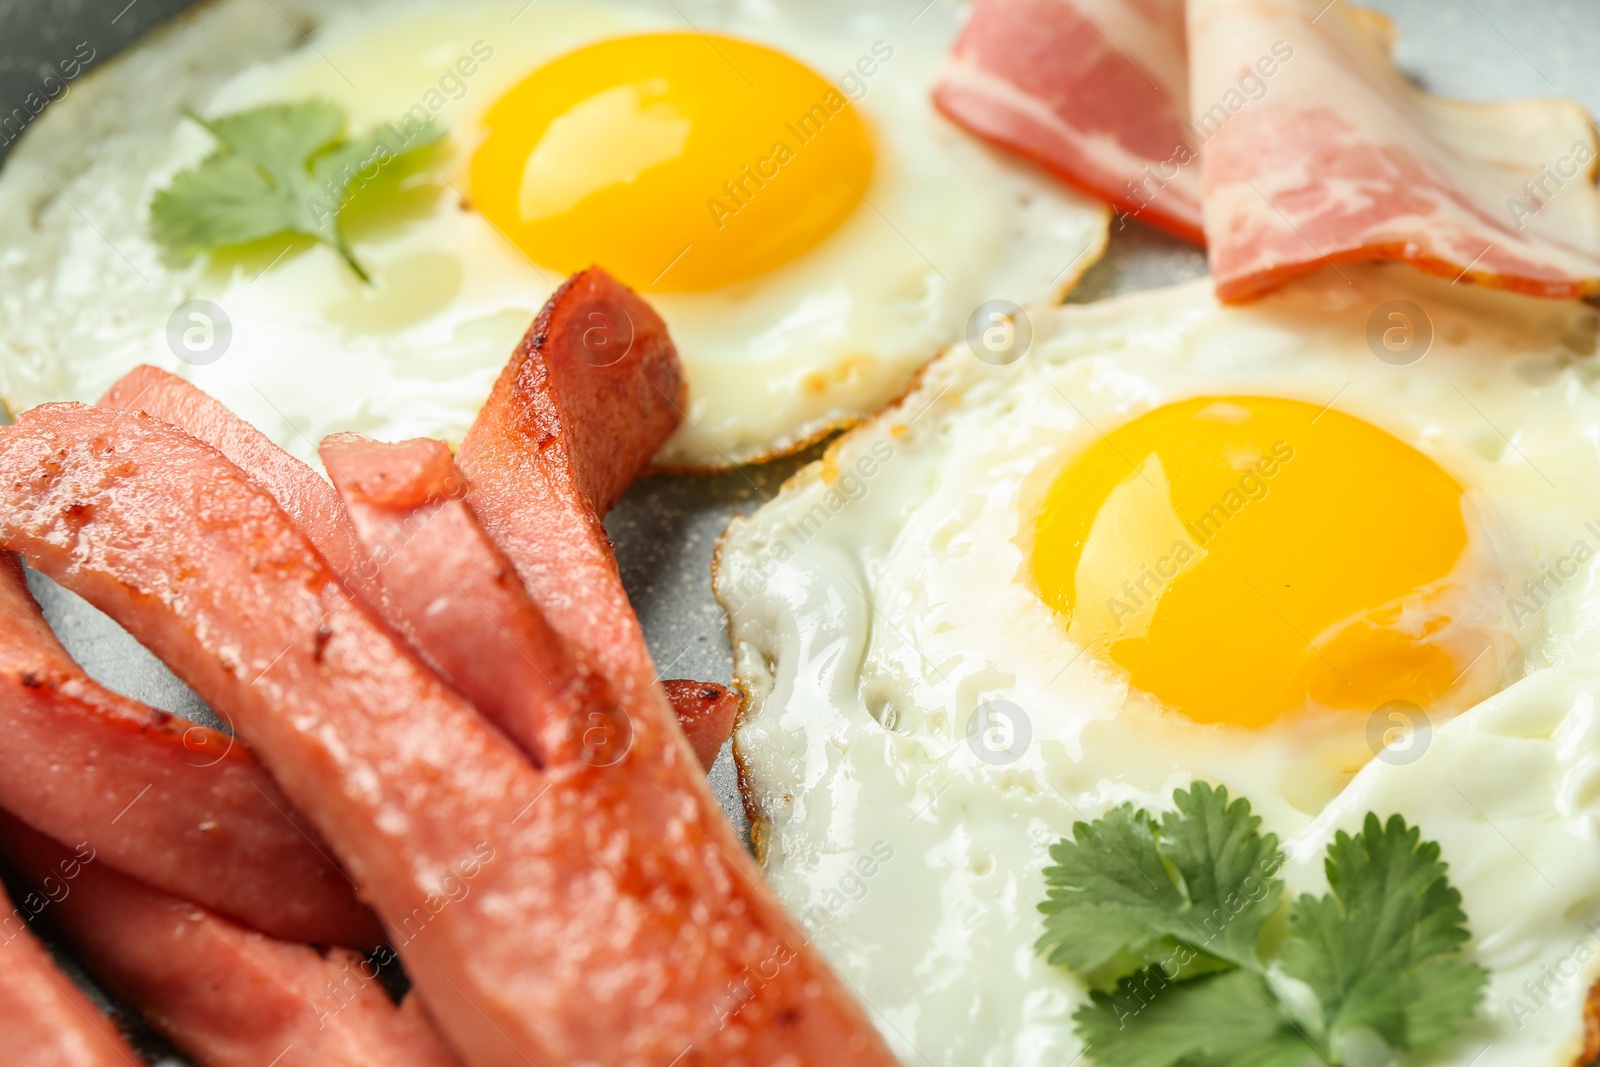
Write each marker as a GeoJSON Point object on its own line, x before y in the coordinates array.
{"type": "Point", "coordinates": [666, 527]}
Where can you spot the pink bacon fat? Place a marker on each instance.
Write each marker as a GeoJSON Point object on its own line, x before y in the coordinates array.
{"type": "Point", "coordinates": [1338, 158]}
{"type": "Point", "coordinates": [224, 995]}
{"type": "Point", "coordinates": [1093, 90]}
{"type": "Point", "coordinates": [181, 806]}
{"type": "Point", "coordinates": [584, 914]}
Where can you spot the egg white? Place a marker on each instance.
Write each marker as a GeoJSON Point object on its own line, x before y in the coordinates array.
{"type": "Point", "coordinates": [885, 596]}
{"type": "Point", "coordinates": [771, 363]}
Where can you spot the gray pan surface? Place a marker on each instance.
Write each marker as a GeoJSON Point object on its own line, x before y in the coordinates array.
{"type": "Point", "coordinates": [666, 527]}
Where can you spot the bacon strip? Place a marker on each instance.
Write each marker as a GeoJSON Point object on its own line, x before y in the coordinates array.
{"type": "Point", "coordinates": [585, 914]}
{"type": "Point", "coordinates": [224, 995]}
{"type": "Point", "coordinates": [44, 1020]}
{"type": "Point", "coordinates": [1341, 159]}
{"type": "Point", "coordinates": [1095, 90]}
{"type": "Point", "coordinates": [706, 711]}
{"type": "Point", "coordinates": [178, 805]}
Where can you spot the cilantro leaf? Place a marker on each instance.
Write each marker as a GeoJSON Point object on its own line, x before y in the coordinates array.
{"type": "Point", "coordinates": [279, 138]}
{"type": "Point", "coordinates": [1109, 893]}
{"type": "Point", "coordinates": [1228, 869]}
{"type": "Point", "coordinates": [1383, 949]}
{"type": "Point", "coordinates": [281, 168]}
{"type": "Point", "coordinates": [1221, 1020]}
{"type": "Point", "coordinates": [1194, 891]}
{"type": "Point", "coordinates": [1163, 921]}
{"type": "Point", "coordinates": [223, 201]}
{"type": "Point", "coordinates": [353, 163]}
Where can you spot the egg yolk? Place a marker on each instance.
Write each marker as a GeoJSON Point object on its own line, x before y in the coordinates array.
{"type": "Point", "coordinates": [680, 162]}
{"type": "Point", "coordinates": [1244, 557]}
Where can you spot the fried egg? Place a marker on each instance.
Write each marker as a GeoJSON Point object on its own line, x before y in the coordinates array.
{"type": "Point", "coordinates": [772, 176]}
{"type": "Point", "coordinates": [1337, 550]}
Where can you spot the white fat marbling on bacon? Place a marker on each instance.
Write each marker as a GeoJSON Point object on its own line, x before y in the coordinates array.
{"type": "Point", "coordinates": [1093, 89]}
{"type": "Point", "coordinates": [1338, 158]}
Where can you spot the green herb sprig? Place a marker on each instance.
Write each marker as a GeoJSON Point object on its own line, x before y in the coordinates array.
{"type": "Point", "coordinates": [1165, 921]}
{"type": "Point", "coordinates": [281, 168]}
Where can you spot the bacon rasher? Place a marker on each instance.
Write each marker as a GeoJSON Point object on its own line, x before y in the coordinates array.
{"type": "Point", "coordinates": [1342, 159]}
{"type": "Point", "coordinates": [1095, 90]}
{"type": "Point", "coordinates": [1283, 127]}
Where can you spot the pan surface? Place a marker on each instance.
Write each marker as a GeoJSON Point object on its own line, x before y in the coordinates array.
{"type": "Point", "coordinates": [666, 527]}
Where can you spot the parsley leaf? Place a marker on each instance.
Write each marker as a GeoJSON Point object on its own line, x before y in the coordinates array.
{"type": "Point", "coordinates": [1193, 892]}
{"type": "Point", "coordinates": [282, 168]}
{"type": "Point", "coordinates": [1383, 949]}
{"type": "Point", "coordinates": [1163, 920]}
{"type": "Point", "coordinates": [1222, 1020]}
